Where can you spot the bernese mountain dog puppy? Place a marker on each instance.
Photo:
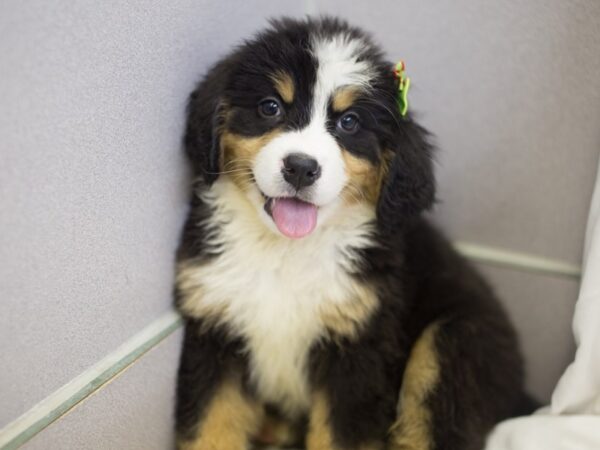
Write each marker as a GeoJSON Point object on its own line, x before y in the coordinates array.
{"type": "Point", "coordinates": [321, 310]}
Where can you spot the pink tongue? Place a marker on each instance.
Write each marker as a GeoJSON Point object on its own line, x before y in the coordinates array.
{"type": "Point", "coordinates": [293, 217]}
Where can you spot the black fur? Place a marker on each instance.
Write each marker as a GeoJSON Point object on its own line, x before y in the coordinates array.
{"type": "Point", "coordinates": [208, 354]}
{"type": "Point", "coordinates": [410, 187]}
{"type": "Point", "coordinates": [418, 276]}
{"type": "Point", "coordinates": [202, 137]}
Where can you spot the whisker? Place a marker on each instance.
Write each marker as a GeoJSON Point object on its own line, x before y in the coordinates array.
{"type": "Point", "coordinates": [241, 170]}
{"type": "Point", "coordinates": [238, 160]}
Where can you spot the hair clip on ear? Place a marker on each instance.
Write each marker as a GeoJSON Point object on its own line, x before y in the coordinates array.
{"type": "Point", "coordinates": [403, 86]}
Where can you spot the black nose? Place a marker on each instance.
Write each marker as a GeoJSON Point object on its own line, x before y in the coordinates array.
{"type": "Point", "coordinates": [300, 170]}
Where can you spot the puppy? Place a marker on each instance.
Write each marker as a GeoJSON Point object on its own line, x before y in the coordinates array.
{"type": "Point", "coordinates": [321, 309]}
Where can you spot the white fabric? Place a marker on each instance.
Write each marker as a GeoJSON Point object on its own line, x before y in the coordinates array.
{"type": "Point", "coordinates": [547, 432]}
{"type": "Point", "coordinates": [572, 421]}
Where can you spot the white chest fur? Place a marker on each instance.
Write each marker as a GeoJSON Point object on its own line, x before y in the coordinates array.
{"type": "Point", "coordinates": [271, 290]}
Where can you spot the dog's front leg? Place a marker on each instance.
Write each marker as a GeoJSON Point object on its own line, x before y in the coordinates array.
{"type": "Point", "coordinates": [213, 410]}
{"type": "Point", "coordinates": [353, 402]}
{"type": "Point", "coordinates": [322, 434]}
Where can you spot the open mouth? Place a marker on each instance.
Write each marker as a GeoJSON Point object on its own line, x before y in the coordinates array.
{"type": "Point", "coordinates": [293, 217]}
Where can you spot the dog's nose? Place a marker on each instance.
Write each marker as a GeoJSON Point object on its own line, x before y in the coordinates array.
{"type": "Point", "coordinates": [300, 170]}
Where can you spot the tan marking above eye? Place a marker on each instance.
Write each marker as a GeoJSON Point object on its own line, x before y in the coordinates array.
{"type": "Point", "coordinates": [344, 98]}
{"type": "Point", "coordinates": [284, 84]}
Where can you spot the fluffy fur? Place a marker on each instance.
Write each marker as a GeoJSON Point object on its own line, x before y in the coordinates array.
{"type": "Point", "coordinates": [369, 332]}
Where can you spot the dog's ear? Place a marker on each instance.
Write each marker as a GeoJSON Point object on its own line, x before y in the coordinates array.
{"type": "Point", "coordinates": [409, 187]}
{"type": "Point", "coordinates": [205, 119]}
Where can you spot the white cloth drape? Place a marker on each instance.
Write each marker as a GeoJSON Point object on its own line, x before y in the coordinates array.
{"type": "Point", "coordinates": [572, 420]}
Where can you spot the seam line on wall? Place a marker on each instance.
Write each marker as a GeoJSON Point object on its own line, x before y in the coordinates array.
{"type": "Point", "coordinates": [81, 387]}
{"type": "Point", "coordinates": [60, 402]}
{"type": "Point", "coordinates": [516, 260]}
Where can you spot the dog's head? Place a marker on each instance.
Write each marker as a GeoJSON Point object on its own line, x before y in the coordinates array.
{"type": "Point", "coordinates": [304, 119]}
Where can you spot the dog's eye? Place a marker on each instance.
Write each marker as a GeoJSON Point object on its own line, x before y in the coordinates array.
{"type": "Point", "coordinates": [269, 107]}
{"type": "Point", "coordinates": [348, 123]}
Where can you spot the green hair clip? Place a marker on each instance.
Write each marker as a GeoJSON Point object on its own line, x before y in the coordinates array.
{"type": "Point", "coordinates": [403, 87]}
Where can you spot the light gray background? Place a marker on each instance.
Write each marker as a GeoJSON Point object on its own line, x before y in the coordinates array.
{"type": "Point", "coordinates": [93, 183]}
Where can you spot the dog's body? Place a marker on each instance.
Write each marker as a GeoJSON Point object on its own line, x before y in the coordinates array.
{"type": "Point", "coordinates": [321, 309]}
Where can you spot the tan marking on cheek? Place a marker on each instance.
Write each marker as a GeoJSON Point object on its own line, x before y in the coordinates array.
{"type": "Point", "coordinates": [228, 423]}
{"type": "Point", "coordinates": [347, 319]}
{"type": "Point", "coordinates": [344, 98]}
{"type": "Point", "coordinates": [413, 427]}
{"type": "Point", "coordinates": [284, 84]}
{"type": "Point", "coordinates": [382, 173]}
{"type": "Point", "coordinates": [364, 179]}
{"type": "Point", "coordinates": [239, 153]}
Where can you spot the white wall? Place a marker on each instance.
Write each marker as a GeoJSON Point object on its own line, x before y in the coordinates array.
{"type": "Point", "coordinates": [93, 183]}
